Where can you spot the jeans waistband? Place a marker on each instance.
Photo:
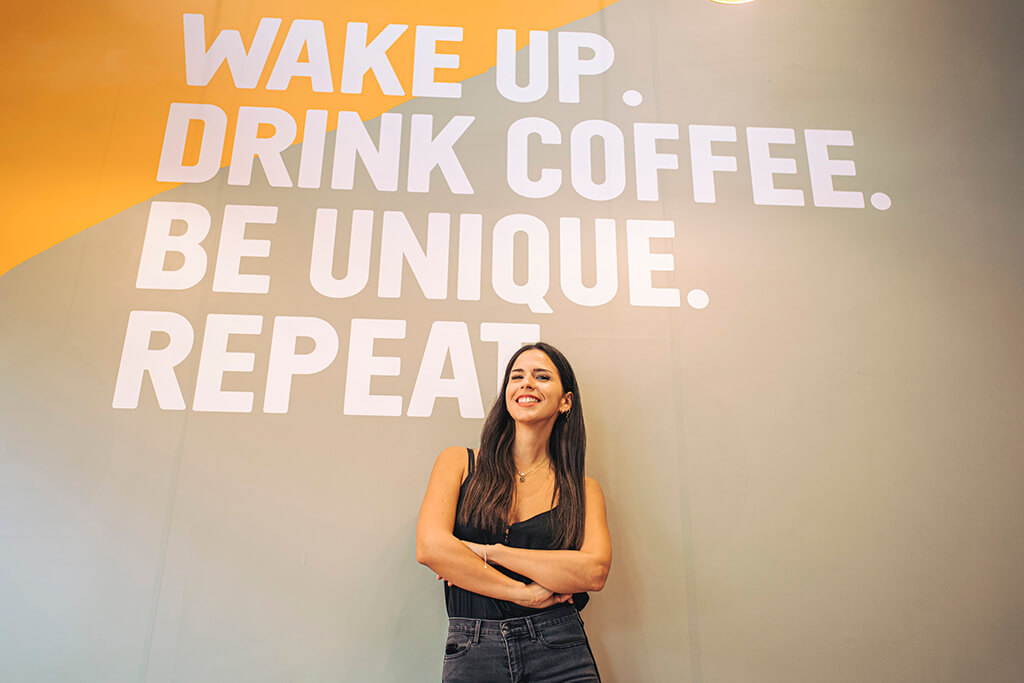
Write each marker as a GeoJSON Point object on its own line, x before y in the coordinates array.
{"type": "Point", "coordinates": [519, 626]}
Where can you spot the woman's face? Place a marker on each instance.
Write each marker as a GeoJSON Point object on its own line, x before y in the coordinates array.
{"type": "Point", "coordinates": [534, 390]}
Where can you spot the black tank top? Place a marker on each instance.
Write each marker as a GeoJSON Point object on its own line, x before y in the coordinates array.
{"type": "Point", "coordinates": [534, 533]}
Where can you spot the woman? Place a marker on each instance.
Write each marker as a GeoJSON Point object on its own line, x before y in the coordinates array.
{"type": "Point", "coordinates": [518, 533]}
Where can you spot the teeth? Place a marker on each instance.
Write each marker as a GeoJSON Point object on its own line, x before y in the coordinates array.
{"type": "Point", "coordinates": [527, 399]}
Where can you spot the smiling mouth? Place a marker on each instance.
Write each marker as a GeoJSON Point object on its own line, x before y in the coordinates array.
{"type": "Point", "coordinates": [526, 399]}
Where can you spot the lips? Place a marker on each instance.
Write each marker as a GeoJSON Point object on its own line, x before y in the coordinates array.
{"type": "Point", "coordinates": [527, 400]}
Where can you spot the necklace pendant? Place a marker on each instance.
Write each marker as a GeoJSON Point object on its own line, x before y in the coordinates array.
{"type": "Point", "coordinates": [522, 478]}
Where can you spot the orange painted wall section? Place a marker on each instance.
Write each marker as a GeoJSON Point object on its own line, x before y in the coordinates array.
{"type": "Point", "coordinates": [89, 92]}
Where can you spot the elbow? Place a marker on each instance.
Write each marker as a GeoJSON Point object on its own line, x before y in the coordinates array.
{"type": "Point", "coordinates": [598, 576]}
{"type": "Point", "coordinates": [423, 553]}
{"type": "Point", "coordinates": [426, 551]}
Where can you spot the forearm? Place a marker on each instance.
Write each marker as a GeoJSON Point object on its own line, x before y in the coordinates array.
{"type": "Point", "coordinates": [450, 559]}
{"type": "Point", "coordinates": [563, 571]}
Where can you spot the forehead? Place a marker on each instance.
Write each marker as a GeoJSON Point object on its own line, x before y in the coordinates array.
{"type": "Point", "coordinates": [533, 359]}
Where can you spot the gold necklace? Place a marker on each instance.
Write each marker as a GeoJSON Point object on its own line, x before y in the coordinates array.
{"type": "Point", "coordinates": [523, 475]}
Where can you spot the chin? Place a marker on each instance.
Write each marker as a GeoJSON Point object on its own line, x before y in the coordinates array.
{"type": "Point", "coordinates": [531, 418]}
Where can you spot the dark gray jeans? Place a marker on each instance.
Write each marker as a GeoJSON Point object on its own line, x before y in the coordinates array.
{"type": "Point", "coordinates": [550, 647]}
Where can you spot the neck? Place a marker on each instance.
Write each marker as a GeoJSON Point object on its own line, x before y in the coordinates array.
{"type": "Point", "coordinates": [530, 446]}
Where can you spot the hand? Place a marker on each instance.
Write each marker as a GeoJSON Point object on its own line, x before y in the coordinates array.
{"type": "Point", "coordinates": [536, 596]}
{"type": "Point", "coordinates": [441, 578]}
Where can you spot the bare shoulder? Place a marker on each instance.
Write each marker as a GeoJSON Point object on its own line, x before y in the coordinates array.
{"type": "Point", "coordinates": [452, 454]}
{"type": "Point", "coordinates": [594, 492]}
{"type": "Point", "coordinates": [440, 501]}
{"type": "Point", "coordinates": [452, 462]}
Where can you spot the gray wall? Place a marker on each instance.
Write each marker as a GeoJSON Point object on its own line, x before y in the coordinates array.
{"type": "Point", "coordinates": [815, 478]}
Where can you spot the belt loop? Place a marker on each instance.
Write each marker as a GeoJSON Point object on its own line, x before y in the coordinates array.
{"type": "Point", "coordinates": [529, 625]}
{"type": "Point", "coordinates": [476, 633]}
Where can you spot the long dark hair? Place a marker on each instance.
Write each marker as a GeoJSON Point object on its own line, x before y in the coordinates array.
{"type": "Point", "coordinates": [491, 491]}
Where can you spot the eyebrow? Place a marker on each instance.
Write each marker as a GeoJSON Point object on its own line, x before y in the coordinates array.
{"type": "Point", "coordinates": [536, 369]}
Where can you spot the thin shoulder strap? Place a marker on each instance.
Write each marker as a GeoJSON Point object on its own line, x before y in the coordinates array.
{"type": "Point", "coordinates": [472, 461]}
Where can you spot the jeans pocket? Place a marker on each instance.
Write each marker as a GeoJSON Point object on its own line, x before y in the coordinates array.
{"type": "Point", "coordinates": [565, 634]}
{"type": "Point", "coordinates": [457, 645]}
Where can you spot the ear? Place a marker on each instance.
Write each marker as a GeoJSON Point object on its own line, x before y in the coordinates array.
{"type": "Point", "coordinates": [566, 402]}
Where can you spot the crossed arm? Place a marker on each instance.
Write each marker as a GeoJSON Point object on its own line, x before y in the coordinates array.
{"type": "Point", "coordinates": [556, 573]}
